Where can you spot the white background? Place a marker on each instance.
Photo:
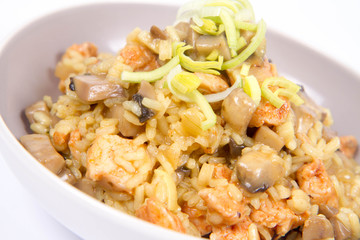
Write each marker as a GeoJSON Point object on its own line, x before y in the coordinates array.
{"type": "Point", "coordinates": [331, 27]}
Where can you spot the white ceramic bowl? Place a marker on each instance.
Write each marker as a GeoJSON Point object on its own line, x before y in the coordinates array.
{"type": "Point", "coordinates": [27, 62]}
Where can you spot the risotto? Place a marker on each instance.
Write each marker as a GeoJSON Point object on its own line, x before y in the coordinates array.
{"type": "Point", "coordinates": [191, 128]}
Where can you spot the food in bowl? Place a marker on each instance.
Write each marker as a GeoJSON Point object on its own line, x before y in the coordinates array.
{"type": "Point", "coordinates": [192, 128]}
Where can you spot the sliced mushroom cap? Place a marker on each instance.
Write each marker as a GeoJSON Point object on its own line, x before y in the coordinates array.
{"type": "Point", "coordinates": [235, 149]}
{"type": "Point", "coordinates": [340, 231]}
{"type": "Point", "coordinates": [317, 227]}
{"type": "Point", "coordinates": [39, 106]}
{"type": "Point", "coordinates": [268, 137]}
{"type": "Point", "coordinates": [205, 44]}
{"type": "Point", "coordinates": [306, 114]}
{"type": "Point", "coordinates": [126, 128]}
{"type": "Point", "coordinates": [257, 171]}
{"type": "Point", "coordinates": [156, 32]}
{"type": "Point", "coordinates": [67, 176]}
{"type": "Point", "coordinates": [87, 186]}
{"type": "Point", "coordinates": [147, 90]}
{"type": "Point", "coordinates": [39, 145]}
{"type": "Point", "coordinates": [237, 110]}
{"type": "Point", "coordinates": [192, 36]}
{"type": "Point", "coordinates": [92, 88]}
{"type": "Point", "coordinates": [182, 29]}
{"type": "Point", "coordinates": [328, 211]}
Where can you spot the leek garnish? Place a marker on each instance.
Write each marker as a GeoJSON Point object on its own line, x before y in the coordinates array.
{"type": "Point", "coordinates": [244, 15]}
{"type": "Point", "coordinates": [230, 31]}
{"type": "Point", "coordinates": [286, 88]}
{"type": "Point", "coordinates": [198, 21]}
{"type": "Point", "coordinates": [150, 76]}
{"type": "Point", "coordinates": [207, 27]}
{"type": "Point", "coordinates": [250, 49]}
{"type": "Point", "coordinates": [246, 26]}
{"type": "Point", "coordinates": [233, 6]}
{"type": "Point", "coordinates": [245, 68]}
{"type": "Point", "coordinates": [192, 96]}
{"type": "Point", "coordinates": [186, 82]}
{"type": "Point", "coordinates": [241, 42]}
{"type": "Point", "coordinates": [205, 107]}
{"type": "Point", "coordinates": [248, 6]}
{"type": "Point", "coordinates": [196, 66]}
{"type": "Point", "coordinates": [213, 55]}
{"type": "Point", "coordinates": [251, 87]}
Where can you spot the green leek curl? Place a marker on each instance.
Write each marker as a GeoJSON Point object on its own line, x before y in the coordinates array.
{"type": "Point", "coordinates": [150, 76]}
{"type": "Point", "coordinates": [192, 96]}
{"type": "Point", "coordinates": [250, 49]}
{"type": "Point", "coordinates": [286, 88]}
{"type": "Point", "coordinates": [196, 66]}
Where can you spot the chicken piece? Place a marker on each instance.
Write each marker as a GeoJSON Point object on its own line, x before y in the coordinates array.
{"type": "Point", "coordinates": [117, 163]}
{"type": "Point", "coordinates": [60, 141]}
{"type": "Point", "coordinates": [262, 71]}
{"type": "Point", "coordinates": [222, 171]}
{"type": "Point", "coordinates": [267, 114]}
{"type": "Point", "coordinates": [348, 146]}
{"type": "Point", "coordinates": [198, 218]}
{"type": "Point", "coordinates": [139, 57]}
{"type": "Point", "coordinates": [73, 61]}
{"type": "Point", "coordinates": [77, 145]}
{"type": "Point", "coordinates": [155, 212]}
{"type": "Point", "coordinates": [314, 180]}
{"type": "Point", "coordinates": [238, 231]}
{"type": "Point", "coordinates": [275, 214]}
{"type": "Point", "coordinates": [86, 49]}
{"type": "Point", "coordinates": [211, 83]}
{"type": "Point", "coordinates": [224, 207]}
{"type": "Point", "coordinates": [39, 145]}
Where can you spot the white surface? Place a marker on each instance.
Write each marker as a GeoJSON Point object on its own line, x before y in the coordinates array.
{"type": "Point", "coordinates": [331, 27]}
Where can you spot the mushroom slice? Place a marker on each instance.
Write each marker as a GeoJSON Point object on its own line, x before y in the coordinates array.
{"type": "Point", "coordinates": [147, 90]}
{"type": "Point", "coordinates": [126, 128]}
{"type": "Point", "coordinates": [39, 145]}
{"type": "Point", "coordinates": [340, 231]}
{"type": "Point", "coordinates": [92, 88]}
{"type": "Point", "coordinates": [237, 110]}
{"type": "Point", "coordinates": [257, 170]}
{"type": "Point", "coordinates": [317, 227]}
{"type": "Point", "coordinates": [268, 137]}
{"type": "Point", "coordinates": [205, 44]}
{"type": "Point", "coordinates": [39, 106]}
{"type": "Point", "coordinates": [156, 32]}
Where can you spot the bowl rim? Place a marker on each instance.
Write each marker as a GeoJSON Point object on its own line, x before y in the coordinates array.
{"type": "Point", "coordinates": [14, 146]}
